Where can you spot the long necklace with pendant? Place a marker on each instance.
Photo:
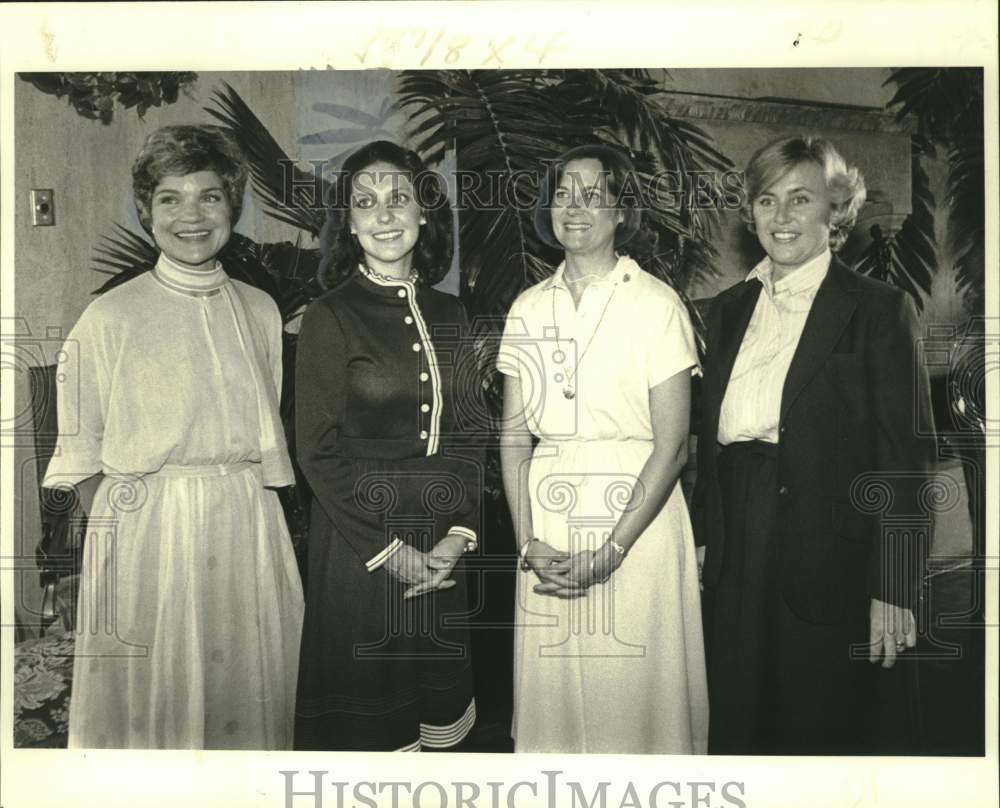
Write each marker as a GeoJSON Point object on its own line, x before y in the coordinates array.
{"type": "Point", "coordinates": [559, 355]}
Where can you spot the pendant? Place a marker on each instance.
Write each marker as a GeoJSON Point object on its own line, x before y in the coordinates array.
{"type": "Point", "coordinates": [569, 392]}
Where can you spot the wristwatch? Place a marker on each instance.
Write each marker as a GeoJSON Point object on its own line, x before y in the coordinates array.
{"type": "Point", "coordinates": [471, 540]}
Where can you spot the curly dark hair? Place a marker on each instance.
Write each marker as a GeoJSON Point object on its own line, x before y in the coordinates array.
{"type": "Point", "coordinates": [340, 251]}
{"type": "Point", "coordinates": [185, 149]}
{"type": "Point", "coordinates": [618, 166]}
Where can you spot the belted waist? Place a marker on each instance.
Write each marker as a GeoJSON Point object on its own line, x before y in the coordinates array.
{"type": "Point", "coordinates": [178, 470]}
{"type": "Point", "coordinates": [594, 441]}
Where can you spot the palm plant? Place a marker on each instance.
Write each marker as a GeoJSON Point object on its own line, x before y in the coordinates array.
{"type": "Point", "coordinates": [948, 106]}
{"type": "Point", "coordinates": [908, 258]}
{"type": "Point", "coordinates": [508, 123]}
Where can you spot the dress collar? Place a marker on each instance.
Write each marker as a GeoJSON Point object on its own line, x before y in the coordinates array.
{"type": "Point", "coordinates": [806, 279]}
{"type": "Point", "coordinates": [381, 285]}
{"type": "Point", "coordinates": [624, 269]}
{"type": "Point", "coordinates": [189, 281]}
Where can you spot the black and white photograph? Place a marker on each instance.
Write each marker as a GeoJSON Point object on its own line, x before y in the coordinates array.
{"type": "Point", "coordinates": [458, 378]}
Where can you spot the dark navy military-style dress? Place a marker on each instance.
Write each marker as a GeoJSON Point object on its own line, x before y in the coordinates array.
{"type": "Point", "coordinates": [386, 416]}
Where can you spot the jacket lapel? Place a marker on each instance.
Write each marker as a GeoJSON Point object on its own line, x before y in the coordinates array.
{"type": "Point", "coordinates": [735, 317]}
{"type": "Point", "coordinates": [827, 318]}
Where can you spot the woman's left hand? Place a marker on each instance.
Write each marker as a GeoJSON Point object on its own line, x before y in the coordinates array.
{"type": "Point", "coordinates": [441, 561]}
{"type": "Point", "coordinates": [584, 569]}
{"type": "Point", "coordinates": [893, 630]}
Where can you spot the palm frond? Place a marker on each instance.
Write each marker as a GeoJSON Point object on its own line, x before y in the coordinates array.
{"type": "Point", "coordinates": [503, 122]}
{"type": "Point", "coordinates": [290, 194]}
{"type": "Point", "coordinates": [943, 99]}
{"type": "Point", "coordinates": [948, 106]}
{"type": "Point", "coordinates": [907, 259]}
{"type": "Point", "coordinates": [284, 271]}
{"type": "Point", "coordinates": [967, 218]}
{"type": "Point", "coordinates": [123, 255]}
{"type": "Point", "coordinates": [499, 123]}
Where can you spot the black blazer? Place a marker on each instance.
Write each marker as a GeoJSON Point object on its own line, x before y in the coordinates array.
{"type": "Point", "coordinates": [855, 410]}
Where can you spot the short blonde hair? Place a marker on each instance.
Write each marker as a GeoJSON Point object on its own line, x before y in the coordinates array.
{"type": "Point", "coordinates": [845, 183]}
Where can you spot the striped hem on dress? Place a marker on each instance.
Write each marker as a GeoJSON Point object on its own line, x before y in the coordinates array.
{"type": "Point", "coordinates": [434, 737]}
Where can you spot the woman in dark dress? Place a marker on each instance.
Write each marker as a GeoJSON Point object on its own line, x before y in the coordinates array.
{"type": "Point", "coordinates": [812, 460]}
{"type": "Point", "coordinates": [383, 379]}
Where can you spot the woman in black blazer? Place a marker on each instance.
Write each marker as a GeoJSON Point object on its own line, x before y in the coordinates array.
{"type": "Point", "coordinates": [810, 442]}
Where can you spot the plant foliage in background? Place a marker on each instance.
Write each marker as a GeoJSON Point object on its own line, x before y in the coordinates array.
{"type": "Point", "coordinates": [948, 106]}
{"type": "Point", "coordinates": [508, 122]}
{"type": "Point", "coordinates": [364, 129]}
{"type": "Point", "coordinates": [907, 259]}
{"type": "Point", "coordinates": [95, 95]}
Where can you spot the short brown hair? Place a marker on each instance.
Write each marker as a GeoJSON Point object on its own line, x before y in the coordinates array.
{"type": "Point", "coordinates": [618, 167]}
{"type": "Point", "coordinates": [180, 150]}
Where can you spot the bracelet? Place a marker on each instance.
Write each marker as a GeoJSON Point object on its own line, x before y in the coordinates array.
{"type": "Point", "coordinates": [523, 554]}
{"type": "Point", "coordinates": [617, 547]}
{"type": "Point", "coordinates": [593, 571]}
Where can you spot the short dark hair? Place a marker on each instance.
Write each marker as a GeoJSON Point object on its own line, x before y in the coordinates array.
{"type": "Point", "coordinates": [185, 149]}
{"type": "Point", "coordinates": [340, 251]}
{"type": "Point", "coordinates": [618, 167]}
{"type": "Point", "coordinates": [845, 183]}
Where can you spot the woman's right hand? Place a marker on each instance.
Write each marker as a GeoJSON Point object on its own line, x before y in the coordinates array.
{"type": "Point", "coordinates": [547, 563]}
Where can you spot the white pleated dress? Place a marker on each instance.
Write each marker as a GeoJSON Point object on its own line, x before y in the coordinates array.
{"type": "Point", "coordinates": [621, 670]}
{"type": "Point", "coordinates": [190, 607]}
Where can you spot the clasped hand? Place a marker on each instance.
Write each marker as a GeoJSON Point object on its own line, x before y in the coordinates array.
{"type": "Point", "coordinates": [566, 576]}
{"type": "Point", "coordinates": [427, 572]}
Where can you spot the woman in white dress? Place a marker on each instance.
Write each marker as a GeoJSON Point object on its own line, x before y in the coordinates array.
{"type": "Point", "coordinates": [190, 606]}
{"type": "Point", "coordinates": [597, 360]}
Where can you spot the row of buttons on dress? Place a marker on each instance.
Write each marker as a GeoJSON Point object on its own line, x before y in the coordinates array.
{"type": "Point", "coordinates": [408, 319]}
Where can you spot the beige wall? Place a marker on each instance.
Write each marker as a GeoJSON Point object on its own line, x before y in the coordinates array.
{"type": "Point", "coordinates": [854, 86]}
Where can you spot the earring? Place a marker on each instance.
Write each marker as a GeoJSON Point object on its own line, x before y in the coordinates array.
{"type": "Point", "coordinates": [423, 220]}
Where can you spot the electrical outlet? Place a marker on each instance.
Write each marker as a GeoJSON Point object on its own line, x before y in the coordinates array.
{"type": "Point", "coordinates": [43, 211]}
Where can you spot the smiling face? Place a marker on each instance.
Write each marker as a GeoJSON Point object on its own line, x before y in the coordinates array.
{"type": "Point", "coordinates": [191, 218]}
{"type": "Point", "coordinates": [386, 218]}
{"type": "Point", "coordinates": [792, 217]}
{"type": "Point", "coordinates": [584, 218]}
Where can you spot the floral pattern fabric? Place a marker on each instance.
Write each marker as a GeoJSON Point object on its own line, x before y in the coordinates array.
{"type": "Point", "coordinates": [43, 670]}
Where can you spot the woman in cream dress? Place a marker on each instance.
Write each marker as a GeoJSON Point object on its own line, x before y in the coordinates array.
{"type": "Point", "coordinates": [597, 362]}
{"type": "Point", "coordinates": [190, 605]}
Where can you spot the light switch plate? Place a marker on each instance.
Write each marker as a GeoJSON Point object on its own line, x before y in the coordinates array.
{"type": "Point", "coordinates": [43, 211]}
